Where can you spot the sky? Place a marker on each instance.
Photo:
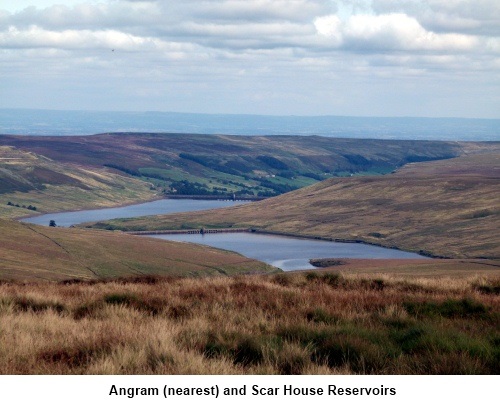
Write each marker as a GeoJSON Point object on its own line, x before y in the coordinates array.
{"type": "Point", "coordinates": [430, 58]}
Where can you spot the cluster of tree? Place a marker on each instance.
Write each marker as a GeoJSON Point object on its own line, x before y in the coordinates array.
{"type": "Point", "coordinates": [271, 161]}
{"type": "Point", "coordinates": [221, 189]}
{"type": "Point", "coordinates": [185, 187]}
{"type": "Point", "coordinates": [127, 170]}
{"type": "Point", "coordinates": [234, 183]}
{"type": "Point", "coordinates": [287, 174]}
{"type": "Point", "coordinates": [29, 207]}
{"type": "Point", "coordinates": [278, 188]}
{"type": "Point", "coordinates": [314, 176]}
{"type": "Point", "coordinates": [266, 193]}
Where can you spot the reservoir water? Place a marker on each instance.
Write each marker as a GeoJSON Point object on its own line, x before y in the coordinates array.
{"type": "Point", "coordinates": [284, 252]}
{"type": "Point", "coordinates": [157, 207]}
{"type": "Point", "coordinates": [289, 253]}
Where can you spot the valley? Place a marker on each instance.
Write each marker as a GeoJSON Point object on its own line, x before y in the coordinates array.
{"type": "Point", "coordinates": [448, 208]}
{"type": "Point", "coordinates": [150, 306]}
{"type": "Point", "coordinates": [80, 172]}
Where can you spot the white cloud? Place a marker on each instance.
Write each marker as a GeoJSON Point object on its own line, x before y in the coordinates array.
{"type": "Point", "coordinates": [35, 37]}
{"type": "Point", "coordinates": [204, 45]}
{"type": "Point", "coordinates": [402, 33]}
{"type": "Point", "coordinates": [390, 32]}
{"type": "Point", "coordinates": [475, 17]}
{"type": "Point", "coordinates": [330, 26]}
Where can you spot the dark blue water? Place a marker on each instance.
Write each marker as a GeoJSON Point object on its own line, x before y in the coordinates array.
{"type": "Point", "coordinates": [138, 210]}
{"type": "Point", "coordinates": [289, 253]}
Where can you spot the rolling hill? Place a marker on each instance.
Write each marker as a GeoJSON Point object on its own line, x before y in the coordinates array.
{"type": "Point", "coordinates": [31, 252]}
{"type": "Point", "coordinates": [448, 208]}
{"type": "Point", "coordinates": [126, 167]}
{"type": "Point", "coordinates": [32, 180]}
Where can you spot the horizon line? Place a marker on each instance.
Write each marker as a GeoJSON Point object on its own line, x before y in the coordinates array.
{"type": "Point", "coordinates": [247, 114]}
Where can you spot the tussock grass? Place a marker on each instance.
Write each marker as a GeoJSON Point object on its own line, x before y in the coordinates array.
{"type": "Point", "coordinates": [300, 323]}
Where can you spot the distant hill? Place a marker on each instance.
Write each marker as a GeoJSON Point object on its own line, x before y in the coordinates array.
{"type": "Point", "coordinates": [31, 180]}
{"type": "Point", "coordinates": [54, 122]}
{"type": "Point", "coordinates": [448, 208]}
{"type": "Point", "coordinates": [128, 167]}
{"type": "Point", "coordinates": [31, 252]}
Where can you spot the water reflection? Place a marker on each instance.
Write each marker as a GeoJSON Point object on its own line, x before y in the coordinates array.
{"type": "Point", "coordinates": [289, 253]}
{"type": "Point", "coordinates": [137, 210]}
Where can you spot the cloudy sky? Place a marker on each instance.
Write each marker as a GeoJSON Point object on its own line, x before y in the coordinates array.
{"type": "Point", "coordinates": [284, 57]}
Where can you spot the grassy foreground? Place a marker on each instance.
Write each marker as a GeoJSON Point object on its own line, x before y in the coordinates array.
{"type": "Point", "coordinates": [301, 323]}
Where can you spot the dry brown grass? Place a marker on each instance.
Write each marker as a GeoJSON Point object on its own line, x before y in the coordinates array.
{"type": "Point", "coordinates": [418, 268]}
{"type": "Point", "coordinates": [31, 252]}
{"type": "Point", "coordinates": [300, 323]}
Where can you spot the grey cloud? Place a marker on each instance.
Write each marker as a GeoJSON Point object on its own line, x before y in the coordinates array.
{"type": "Point", "coordinates": [479, 17]}
{"type": "Point", "coordinates": [88, 16]}
{"type": "Point", "coordinates": [172, 21]}
{"type": "Point", "coordinates": [171, 47]}
{"type": "Point", "coordinates": [253, 24]}
{"type": "Point", "coordinates": [246, 10]}
{"type": "Point", "coordinates": [245, 35]}
{"type": "Point", "coordinates": [262, 10]}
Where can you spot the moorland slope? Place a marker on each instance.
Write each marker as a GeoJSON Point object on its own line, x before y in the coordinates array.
{"type": "Point", "coordinates": [36, 181]}
{"type": "Point", "coordinates": [87, 170]}
{"type": "Point", "coordinates": [31, 252]}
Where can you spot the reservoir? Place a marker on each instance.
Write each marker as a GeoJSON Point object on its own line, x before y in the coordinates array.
{"type": "Point", "coordinates": [157, 207]}
{"type": "Point", "coordinates": [286, 253]}
{"type": "Point", "coordinates": [289, 253]}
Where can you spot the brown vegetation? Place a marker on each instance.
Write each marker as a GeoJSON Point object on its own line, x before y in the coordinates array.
{"type": "Point", "coordinates": [30, 179]}
{"type": "Point", "coordinates": [31, 252]}
{"type": "Point", "coordinates": [300, 323]}
{"type": "Point", "coordinates": [140, 150]}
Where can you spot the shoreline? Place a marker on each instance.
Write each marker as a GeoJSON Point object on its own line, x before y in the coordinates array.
{"type": "Point", "coordinates": [164, 197]}
{"type": "Point", "coordinates": [422, 253]}
{"type": "Point", "coordinates": [343, 240]}
{"type": "Point", "coordinates": [415, 268]}
{"type": "Point", "coordinates": [274, 233]}
{"type": "Point", "coordinates": [89, 208]}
